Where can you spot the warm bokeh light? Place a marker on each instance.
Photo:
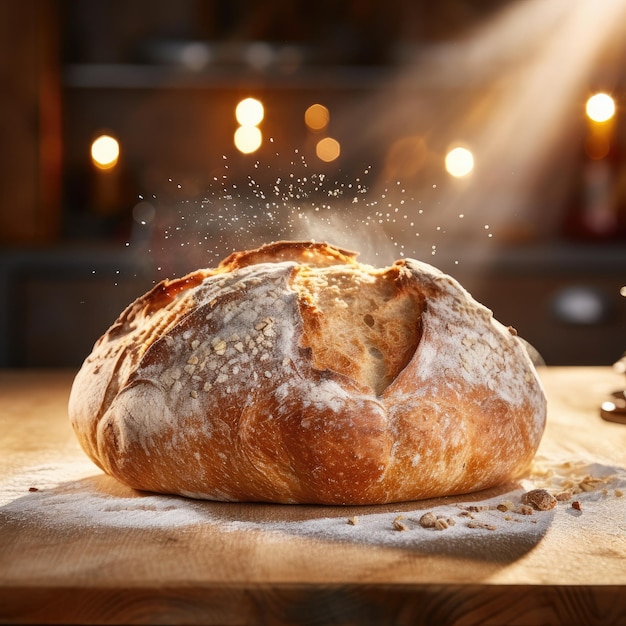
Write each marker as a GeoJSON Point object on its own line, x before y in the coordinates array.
{"type": "Point", "coordinates": [459, 162]}
{"type": "Point", "coordinates": [144, 212]}
{"type": "Point", "coordinates": [600, 107]}
{"type": "Point", "coordinates": [327, 149]}
{"type": "Point", "coordinates": [248, 139]}
{"type": "Point", "coordinates": [249, 112]}
{"type": "Point", "coordinates": [105, 152]}
{"type": "Point", "coordinates": [316, 117]}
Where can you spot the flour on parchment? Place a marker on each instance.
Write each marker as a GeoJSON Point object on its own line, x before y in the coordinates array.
{"type": "Point", "coordinates": [70, 495]}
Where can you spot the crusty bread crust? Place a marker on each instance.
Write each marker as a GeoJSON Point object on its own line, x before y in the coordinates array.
{"type": "Point", "coordinates": [295, 374]}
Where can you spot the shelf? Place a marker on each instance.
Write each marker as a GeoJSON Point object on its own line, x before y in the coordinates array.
{"type": "Point", "coordinates": [137, 76]}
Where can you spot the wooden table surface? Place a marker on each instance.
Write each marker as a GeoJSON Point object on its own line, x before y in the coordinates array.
{"type": "Point", "coordinates": [77, 547]}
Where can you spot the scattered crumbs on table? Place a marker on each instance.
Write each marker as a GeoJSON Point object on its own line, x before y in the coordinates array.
{"type": "Point", "coordinates": [539, 499]}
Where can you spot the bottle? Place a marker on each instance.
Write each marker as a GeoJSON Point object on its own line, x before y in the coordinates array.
{"type": "Point", "coordinates": [598, 208]}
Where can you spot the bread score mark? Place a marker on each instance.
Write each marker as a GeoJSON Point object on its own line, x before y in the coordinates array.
{"type": "Point", "coordinates": [360, 322]}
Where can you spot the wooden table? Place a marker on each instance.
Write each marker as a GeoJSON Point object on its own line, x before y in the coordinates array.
{"type": "Point", "coordinates": [77, 547]}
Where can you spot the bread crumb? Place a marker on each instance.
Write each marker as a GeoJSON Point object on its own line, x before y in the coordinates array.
{"type": "Point", "coordinates": [576, 505]}
{"type": "Point", "coordinates": [477, 508]}
{"type": "Point", "coordinates": [33, 489]}
{"type": "Point", "coordinates": [589, 483]}
{"type": "Point", "coordinates": [428, 520]}
{"type": "Point", "coordinates": [441, 523]}
{"type": "Point", "coordinates": [563, 496]}
{"type": "Point", "coordinates": [524, 509]}
{"type": "Point", "coordinates": [438, 522]}
{"type": "Point", "coordinates": [353, 521]}
{"type": "Point", "coordinates": [398, 524]}
{"type": "Point", "coordinates": [481, 525]}
{"type": "Point", "coordinates": [505, 506]}
{"type": "Point", "coordinates": [618, 493]}
{"type": "Point", "coordinates": [539, 499]}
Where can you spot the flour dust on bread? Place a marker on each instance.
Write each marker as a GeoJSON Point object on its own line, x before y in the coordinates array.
{"type": "Point", "coordinates": [295, 374]}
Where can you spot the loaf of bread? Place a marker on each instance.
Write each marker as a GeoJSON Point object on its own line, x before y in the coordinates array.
{"type": "Point", "coordinates": [295, 374]}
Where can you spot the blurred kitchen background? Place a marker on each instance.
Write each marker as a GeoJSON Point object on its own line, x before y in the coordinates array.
{"type": "Point", "coordinates": [459, 132]}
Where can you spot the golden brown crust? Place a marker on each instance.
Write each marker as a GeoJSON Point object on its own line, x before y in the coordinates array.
{"type": "Point", "coordinates": [314, 253]}
{"type": "Point", "coordinates": [292, 373]}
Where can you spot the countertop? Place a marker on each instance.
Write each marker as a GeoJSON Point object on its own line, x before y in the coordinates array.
{"type": "Point", "coordinates": [78, 547]}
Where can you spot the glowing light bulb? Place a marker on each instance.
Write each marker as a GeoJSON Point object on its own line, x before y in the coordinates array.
{"type": "Point", "coordinates": [105, 152]}
{"type": "Point", "coordinates": [316, 117]}
{"type": "Point", "coordinates": [459, 162]}
{"type": "Point", "coordinates": [249, 112]}
{"type": "Point", "coordinates": [248, 139]}
{"type": "Point", "coordinates": [600, 107]}
{"type": "Point", "coordinates": [327, 149]}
